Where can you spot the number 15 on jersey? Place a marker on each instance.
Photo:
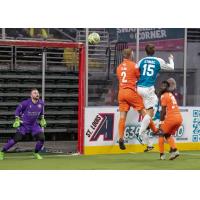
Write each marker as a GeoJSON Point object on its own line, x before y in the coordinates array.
{"type": "Point", "coordinates": [148, 70]}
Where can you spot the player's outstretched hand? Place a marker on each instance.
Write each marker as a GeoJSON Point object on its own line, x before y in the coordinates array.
{"type": "Point", "coordinates": [17, 122]}
{"type": "Point", "coordinates": [43, 122]}
{"type": "Point", "coordinates": [171, 57]}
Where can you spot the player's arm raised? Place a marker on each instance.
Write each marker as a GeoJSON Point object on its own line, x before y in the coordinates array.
{"type": "Point", "coordinates": [167, 66]}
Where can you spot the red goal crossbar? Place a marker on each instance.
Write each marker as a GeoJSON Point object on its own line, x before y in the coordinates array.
{"type": "Point", "coordinates": [81, 83]}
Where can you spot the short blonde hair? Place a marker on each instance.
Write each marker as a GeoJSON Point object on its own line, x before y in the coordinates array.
{"type": "Point", "coordinates": [127, 53]}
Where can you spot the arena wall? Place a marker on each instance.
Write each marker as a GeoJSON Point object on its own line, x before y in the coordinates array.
{"type": "Point", "coordinates": [101, 131]}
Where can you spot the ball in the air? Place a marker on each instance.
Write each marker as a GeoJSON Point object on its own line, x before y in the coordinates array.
{"type": "Point", "coordinates": [93, 38]}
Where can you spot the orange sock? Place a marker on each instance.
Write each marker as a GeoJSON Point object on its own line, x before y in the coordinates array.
{"type": "Point", "coordinates": [171, 142]}
{"type": "Point", "coordinates": [121, 127]}
{"type": "Point", "coordinates": [161, 144]}
{"type": "Point", "coordinates": [152, 126]}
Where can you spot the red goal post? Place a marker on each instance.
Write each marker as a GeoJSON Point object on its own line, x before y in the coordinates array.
{"type": "Point", "coordinates": [81, 75]}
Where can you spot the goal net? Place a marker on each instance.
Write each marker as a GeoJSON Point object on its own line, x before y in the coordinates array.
{"type": "Point", "coordinates": [57, 70]}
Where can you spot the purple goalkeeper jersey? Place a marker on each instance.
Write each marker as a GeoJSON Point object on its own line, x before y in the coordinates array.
{"type": "Point", "coordinates": [29, 112]}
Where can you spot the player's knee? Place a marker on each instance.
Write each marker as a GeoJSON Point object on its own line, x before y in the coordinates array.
{"type": "Point", "coordinates": [150, 111]}
{"type": "Point", "coordinates": [41, 137]}
{"type": "Point", "coordinates": [17, 137]}
{"type": "Point", "coordinates": [167, 135]}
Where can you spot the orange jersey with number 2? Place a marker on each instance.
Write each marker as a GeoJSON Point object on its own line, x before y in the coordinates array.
{"type": "Point", "coordinates": [127, 74]}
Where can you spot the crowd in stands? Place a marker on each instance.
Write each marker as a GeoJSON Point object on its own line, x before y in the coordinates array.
{"type": "Point", "coordinates": [40, 33]}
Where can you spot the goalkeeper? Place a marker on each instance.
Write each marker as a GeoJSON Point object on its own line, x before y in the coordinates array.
{"type": "Point", "coordinates": [26, 116]}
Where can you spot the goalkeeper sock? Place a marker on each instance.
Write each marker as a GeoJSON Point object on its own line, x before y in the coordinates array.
{"type": "Point", "coordinates": [121, 127]}
{"type": "Point", "coordinates": [8, 145]}
{"type": "Point", "coordinates": [39, 146]}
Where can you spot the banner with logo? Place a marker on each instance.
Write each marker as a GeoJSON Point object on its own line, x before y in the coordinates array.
{"type": "Point", "coordinates": [101, 131]}
{"type": "Point", "coordinates": [162, 38]}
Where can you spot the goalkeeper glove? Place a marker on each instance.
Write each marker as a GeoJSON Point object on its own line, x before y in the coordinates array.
{"type": "Point", "coordinates": [17, 122]}
{"type": "Point", "coordinates": [43, 122]}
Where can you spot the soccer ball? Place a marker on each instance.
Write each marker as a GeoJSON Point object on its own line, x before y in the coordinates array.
{"type": "Point", "coordinates": [93, 38]}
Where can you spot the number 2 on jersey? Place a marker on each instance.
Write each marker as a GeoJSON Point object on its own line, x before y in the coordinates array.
{"type": "Point", "coordinates": [123, 74]}
{"type": "Point", "coordinates": [148, 70]}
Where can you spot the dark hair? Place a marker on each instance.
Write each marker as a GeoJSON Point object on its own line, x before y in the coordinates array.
{"type": "Point", "coordinates": [127, 53]}
{"type": "Point", "coordinates": [150, 49]}
{"type": "Point", "coordinates": [163, 90]}
{"type": "Point", "coordinates": [167, 83]}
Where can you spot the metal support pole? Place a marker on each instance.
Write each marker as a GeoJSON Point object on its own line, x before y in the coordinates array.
{"type": "Point", "coordinates": [86, 66]}
{"type": "Point", "coordinates": [185, 69]}
{"type": "Point", "coordinates": [137, 44]}
{"type": "Point", "coordinates": [43, 73]}
{"type": "Point", "coordinates": [3, 33]}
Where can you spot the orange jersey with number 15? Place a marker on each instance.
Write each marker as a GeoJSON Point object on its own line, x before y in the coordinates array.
{"type": "Point", "coordinates": [127, 74]}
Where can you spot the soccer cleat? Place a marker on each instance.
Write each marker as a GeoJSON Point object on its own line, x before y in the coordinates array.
{"type": "Point", "coordinates": [149, 148]}
{"type": "Point", "coordinates": [38, 156]}
{"type": "Point", "coordinates": [174, 155]}
{"type": "Point", "coordinates": [1, 155]}
{"type": "Point", "coordinates": [162, 156]}
{"type": "Point", "coordinates": [121, 144]}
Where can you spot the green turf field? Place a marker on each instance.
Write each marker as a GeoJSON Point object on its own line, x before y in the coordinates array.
{"type": "Point", "coordinates": [23, 161]}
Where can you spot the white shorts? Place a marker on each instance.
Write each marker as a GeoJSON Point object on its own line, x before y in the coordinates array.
{"type": "Point", "coordinates": [148, 95]}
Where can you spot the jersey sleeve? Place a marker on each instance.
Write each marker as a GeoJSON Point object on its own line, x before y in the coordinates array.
{"type": "Point", "coordinates": [20, 108]}
{"type": "Point", "coordinates": [137, 72]}
{"type": "Point", "coordinates": [166, 66]}
{"type": "Point", "coordinates": [164, 100]}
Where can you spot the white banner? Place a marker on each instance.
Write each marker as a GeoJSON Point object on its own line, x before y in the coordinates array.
{"type": "Point", "coordinates": [101, 126]}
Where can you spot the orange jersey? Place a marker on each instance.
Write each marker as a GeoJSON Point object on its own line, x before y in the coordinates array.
{"type": "Point", "coordinates": [127, 74]}
{"type": "Point", "coordinates": [168, 100]}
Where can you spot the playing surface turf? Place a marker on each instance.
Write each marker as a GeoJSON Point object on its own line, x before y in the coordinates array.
{"type": "Point", "coordinates": [150, 160]}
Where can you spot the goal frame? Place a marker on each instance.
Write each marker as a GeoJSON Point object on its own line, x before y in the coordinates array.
{"type": "Point", "coordinates": [81, 76]}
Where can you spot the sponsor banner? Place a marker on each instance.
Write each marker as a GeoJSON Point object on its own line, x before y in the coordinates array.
{"type": "Point", "coordinates": [101, 126]}
{"type": "Point", "coordinates": [162, 38]}
{"type": "Point", "coordinates": [101, 130]}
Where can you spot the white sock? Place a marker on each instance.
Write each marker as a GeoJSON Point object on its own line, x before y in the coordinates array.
{"type": "Point", "coordinates": [144, 124]}
{"type": "Point", "coordinates": [146, 140]}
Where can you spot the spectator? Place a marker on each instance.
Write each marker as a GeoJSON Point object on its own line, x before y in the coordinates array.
{"type": "Point", "coordinates": [173, 89]}
{"type": "Point", "coordinates": [38, 33]}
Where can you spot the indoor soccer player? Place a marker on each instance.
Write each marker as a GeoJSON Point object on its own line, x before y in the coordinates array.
{"type": "Point", "coordinates": [26, 116]}
{"type": "Point", "coordinates": [149, 68]}
{"type": "Point", "coordinates": [128, 74]}
{"type": "Point", "coordinates": [170, 121]}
